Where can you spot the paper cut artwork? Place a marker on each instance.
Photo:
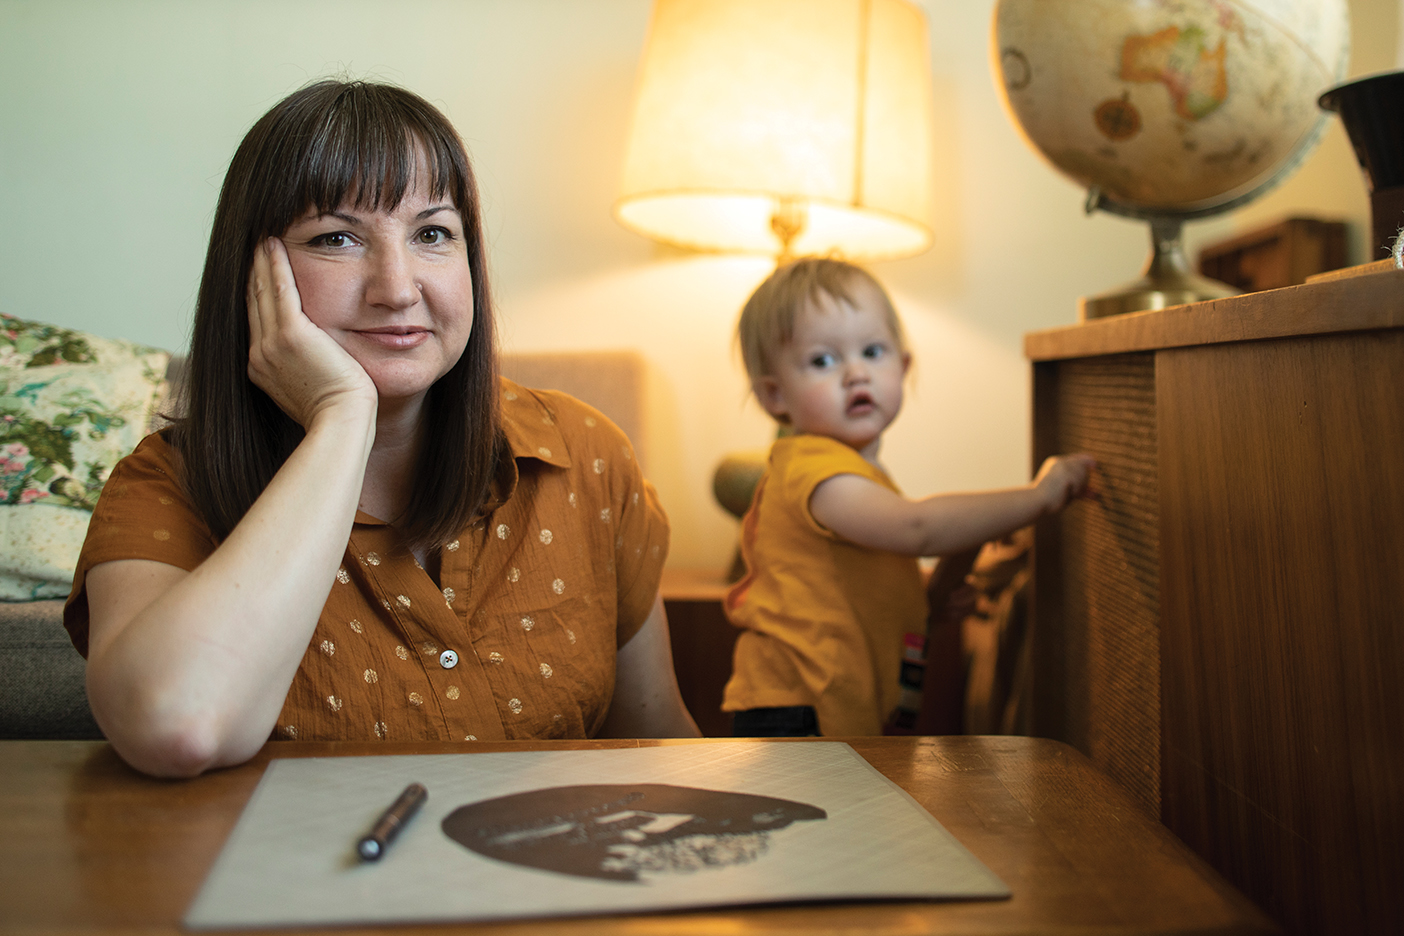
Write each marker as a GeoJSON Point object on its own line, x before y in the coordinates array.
{"type": "Point", "coordinates": [521, 834]}
{"type": "Point", "coordinates": [622, 832]}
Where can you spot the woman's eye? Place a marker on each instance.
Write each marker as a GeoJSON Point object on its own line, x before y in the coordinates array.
{"type": "Point", "coordinates": [333, 239]}
{"type": "Point", "coordinates": [435, 235]}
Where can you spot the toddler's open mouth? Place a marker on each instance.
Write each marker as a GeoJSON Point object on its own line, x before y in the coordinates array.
{"type": "Point", "coordinates": [860, 404]}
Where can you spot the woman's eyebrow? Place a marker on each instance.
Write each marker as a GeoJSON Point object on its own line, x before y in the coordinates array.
{"type": "Point", "coordinates": [340, 216]}
{"type": "Point", "coordinates": [435, 209]}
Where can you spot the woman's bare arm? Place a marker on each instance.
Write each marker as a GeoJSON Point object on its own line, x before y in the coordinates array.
{"type": "Point", "coordinates": [188, 671]}
{"type": "Point", "coordinates": [871, 515]}
{"type": "Point", "coordinates": [647, 703]}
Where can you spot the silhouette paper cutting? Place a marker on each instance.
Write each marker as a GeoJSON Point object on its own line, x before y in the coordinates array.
{"type": "Point", "coordinates": [618, 832]}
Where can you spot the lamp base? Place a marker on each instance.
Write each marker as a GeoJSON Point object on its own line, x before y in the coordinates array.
{"type": "Point", "coordinates": [1167, 280]}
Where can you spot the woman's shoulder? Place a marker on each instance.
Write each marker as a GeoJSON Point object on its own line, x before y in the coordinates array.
{"type": "Point", "coordinates": [154, 459]}
{"type": "Point", "coordinates": [539, 422]}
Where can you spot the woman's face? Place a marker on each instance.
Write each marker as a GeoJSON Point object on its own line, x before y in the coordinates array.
{"type": "Point", "coordinates": [391, 287]}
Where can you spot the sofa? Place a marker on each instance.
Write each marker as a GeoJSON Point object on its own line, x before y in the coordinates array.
{"type": "Point", "coordinates": [71, 404]}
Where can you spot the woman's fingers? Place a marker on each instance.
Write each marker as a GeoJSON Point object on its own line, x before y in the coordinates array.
{"type": "Point", "coordinates": [295, 362]}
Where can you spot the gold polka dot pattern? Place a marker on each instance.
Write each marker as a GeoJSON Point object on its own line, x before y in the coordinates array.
{"type": "Point", "coordinates": [537, 578]}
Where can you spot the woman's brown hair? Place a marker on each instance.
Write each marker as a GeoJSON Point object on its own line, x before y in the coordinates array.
{"type": "Point", "coordinates": [323, 145]}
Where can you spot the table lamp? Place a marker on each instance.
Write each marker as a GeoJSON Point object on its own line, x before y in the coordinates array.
{"type": "Point", "coordinates": [783, 127]}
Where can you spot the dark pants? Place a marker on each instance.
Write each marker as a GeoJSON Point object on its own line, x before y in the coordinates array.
{"type": "Point", "coordinates": [790, 721]}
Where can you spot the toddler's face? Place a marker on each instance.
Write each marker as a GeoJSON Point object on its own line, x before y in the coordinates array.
{"type": "Point", "coordinates": [841, 373]}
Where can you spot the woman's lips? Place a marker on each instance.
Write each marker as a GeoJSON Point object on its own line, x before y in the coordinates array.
{"type": "Point", "coordinates": [397, 339]}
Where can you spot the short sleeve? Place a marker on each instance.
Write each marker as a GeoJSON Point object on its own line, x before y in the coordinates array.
{"type": "Point", "coordinates": [620, 500]}
{"type": "Point", "coordinates": [142, 513]}
{"type": "Point", "coordinates": [806, 461]}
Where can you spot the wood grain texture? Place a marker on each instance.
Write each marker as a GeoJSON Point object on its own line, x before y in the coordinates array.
{"type": "Point", "coordinates": [1282, 484]}
{"type": "Point", "coordinates": [1358, 303]}
{"type": "Point", "coordinates": [702, 641]}
{"type": "Point", "coordinates": [1096, 655]}
{"type": "Point", "coordinates": [88, 846]}
{"type": "Point", "coordinates": [1281, 254]}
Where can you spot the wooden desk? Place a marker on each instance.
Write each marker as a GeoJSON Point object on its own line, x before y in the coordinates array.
{"type": "Point", "coordinates": [1221, 631]}
{"type": "Point", "coordinates": [702, 641]}
{"type": "Point", "coordinates": [89, 846]}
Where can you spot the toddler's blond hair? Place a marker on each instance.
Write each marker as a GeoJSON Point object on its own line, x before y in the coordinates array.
{"type": "Point", "coordinates": [768, 318]}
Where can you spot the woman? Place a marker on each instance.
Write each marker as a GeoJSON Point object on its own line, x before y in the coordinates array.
{"type": "Point", "coordinates": [357, 530]}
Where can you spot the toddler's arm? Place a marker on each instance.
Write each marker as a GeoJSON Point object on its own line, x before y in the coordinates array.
{"type": "Point", "coordinates": [870, 515]}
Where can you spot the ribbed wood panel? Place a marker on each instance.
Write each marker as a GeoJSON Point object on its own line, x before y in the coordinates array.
{"type": "Point", "coordinates": [1110, 554]}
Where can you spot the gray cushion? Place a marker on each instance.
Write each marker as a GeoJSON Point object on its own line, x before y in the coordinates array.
{"type": "Point", "coordinates": [42, 694]}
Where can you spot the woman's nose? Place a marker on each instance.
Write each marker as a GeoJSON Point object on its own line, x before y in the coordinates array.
{"type": "Point", "coordinates": [391, 283]}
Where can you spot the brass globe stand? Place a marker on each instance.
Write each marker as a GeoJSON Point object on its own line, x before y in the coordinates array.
{"type": "Point", "coordinates": [1166, 281]}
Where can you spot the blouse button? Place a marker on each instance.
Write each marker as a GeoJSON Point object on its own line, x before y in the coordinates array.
{"type": "Point", "coordinates": [448, 659]}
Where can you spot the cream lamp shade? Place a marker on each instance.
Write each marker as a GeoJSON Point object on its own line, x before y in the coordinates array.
{"type": "Point", "coordinates": [790, 127]}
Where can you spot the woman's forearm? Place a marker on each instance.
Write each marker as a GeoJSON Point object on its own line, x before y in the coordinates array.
{"type": "Point", "coordinates": [189, 671]}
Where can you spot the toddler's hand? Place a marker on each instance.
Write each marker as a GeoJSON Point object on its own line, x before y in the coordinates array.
{"type": "Point", "coordinates": [1061, 478]}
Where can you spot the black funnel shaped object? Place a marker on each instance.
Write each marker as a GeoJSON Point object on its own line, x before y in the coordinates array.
{"type": "Point", "coordinates": [1372, 110]}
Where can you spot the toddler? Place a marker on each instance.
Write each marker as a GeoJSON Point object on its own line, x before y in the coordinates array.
{"type": "Point", "coordinates": [832, 587]}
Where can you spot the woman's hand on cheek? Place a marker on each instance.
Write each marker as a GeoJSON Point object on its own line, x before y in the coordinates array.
{"type": "Point", "coordinates": [292, 360]}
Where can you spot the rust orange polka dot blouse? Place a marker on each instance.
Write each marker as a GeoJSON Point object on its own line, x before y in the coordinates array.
{"type": "Point", "coordinates": [518, 637]}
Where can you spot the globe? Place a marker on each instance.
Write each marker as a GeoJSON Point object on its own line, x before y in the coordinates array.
{"type": "Point", "coordinates": [1169, 110]}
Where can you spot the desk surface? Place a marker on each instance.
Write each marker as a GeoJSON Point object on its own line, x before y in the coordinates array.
{"type": "Point", "coordinates": [89, 846]}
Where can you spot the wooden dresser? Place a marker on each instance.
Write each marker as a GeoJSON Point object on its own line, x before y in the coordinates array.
{"type": "Point", "coordinates": [1223, 629]}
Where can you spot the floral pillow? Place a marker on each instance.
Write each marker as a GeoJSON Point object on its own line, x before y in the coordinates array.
{"type": "Point", "coordinates": [71, 405]}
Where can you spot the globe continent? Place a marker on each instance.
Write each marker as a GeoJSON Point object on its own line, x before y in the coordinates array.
{"type": "Point", "coordinates": [1169, 104]}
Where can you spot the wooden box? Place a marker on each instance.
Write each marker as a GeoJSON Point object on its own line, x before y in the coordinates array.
{"type": "Point", "coordinates": [1283, 254]}
{"type": "Point", "coordinates": [1223, 631]}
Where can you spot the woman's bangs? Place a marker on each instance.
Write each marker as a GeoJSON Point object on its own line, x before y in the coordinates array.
{"type": "Point", "coordinates": [369, 155]}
